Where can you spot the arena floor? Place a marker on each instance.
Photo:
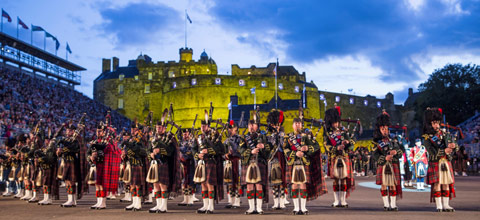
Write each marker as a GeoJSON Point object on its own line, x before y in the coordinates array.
{"type": "Point", "coordinates": [365, 203]}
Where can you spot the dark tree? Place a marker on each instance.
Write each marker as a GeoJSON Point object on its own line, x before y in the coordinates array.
{"type": "Point", "coordinates": [454, 88]}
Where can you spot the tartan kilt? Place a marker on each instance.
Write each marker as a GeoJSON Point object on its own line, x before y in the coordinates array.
{"type": "Point", "coordinates": [263, 172]}
{"type": "Point", "coordinates": [433, 172]}
{"type": "Point", "coordinates": [30, 170]}
{"type": "Point", "coordinates": [69, 171]}
{"type": "Point", "coordinates": [396, 173]}
{"type": "Point", "coordinates": [211, 172]}
{"type": "Point", "coordinates": [331, 167]}
{"type": "Point", "coordinates": [283, 166]}
{"type": "Point", "coordinates": [100, 173]}
{"type": "Point", "coordinates": [47, 179]}
{"type": "Point", "coordinates": [235, 172]}
{"type": "Point", "coordinates": [163, 174]}
{"type": "Point", "coordinates": [138, 176]}
{"type": "Point", "coordinates": [188, 172]}
{"type": "Point", "coordinates": [288, 175]}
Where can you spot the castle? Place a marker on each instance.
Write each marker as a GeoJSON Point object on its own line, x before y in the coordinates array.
{"type": "Point", "coordinates": [190, 85]}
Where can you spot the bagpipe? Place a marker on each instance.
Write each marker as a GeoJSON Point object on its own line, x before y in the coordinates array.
{"type": "Point", "coordinates": [80, 127]}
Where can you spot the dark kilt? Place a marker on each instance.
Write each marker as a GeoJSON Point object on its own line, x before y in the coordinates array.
{"type": "Point", "coordinates": [33, 174]}
{"type": "Point", "coordinates": [263, 172]}
{"type": "Point", "coordinates": [236, 173]}
{"type": "Point", "coordinates": [188, 172]}
{"type": "Point", "coordinates": [100, 173]}
{"type": "Point", "coordinates": [211, 172]}
{"type": "Point", "coordinates": [163, 174]}
{"type": "Point", "coordinates": [138, 176]}
{"type": "Point", "coordinates": [433, 173]}
{"type": "Point", "coordinates": [288, 176]}
{"type": "Point", "coordinates": [283, 166]}
{"type": "Point", "coordinates": [48, 175]}
{"type": "Point", "coordinates": [69, 171]}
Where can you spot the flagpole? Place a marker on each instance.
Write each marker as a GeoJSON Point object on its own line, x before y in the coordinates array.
{"type": "Point", "coordinates": [276, 87]}
{"type": "Point", "coordinates": [185, 28]}
{"type": "Point", "coordinates": [31, 35]}
{"type": "Point", "coordinates": [2, 21]}
{"type": "Point", "coordinates": [45, 41]}
{"type": "Point", "coordinates": [17, 27]}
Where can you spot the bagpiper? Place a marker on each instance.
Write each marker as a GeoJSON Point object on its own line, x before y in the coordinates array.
{"type": "Point", "coordinates": [387, 152]}
{"type": "Point", "coordinates": [188, 165]}
{"type": "Point", "coordinates": [47, 161]}
{"type": "Point", "coordinates": [420, 163]}
{"type": "Point", "coordinates": [277, 161]}
{"type": "Point", "coordinates": [104, 157]}
{"type": "Point", "coordinates": [338, 143]}
{"type": "Point", "coordinates": [164, 170]}
{"type": "Point", "coordinates": [255, 152]}
{"type": "Point", "coordinates": [304, 171]}
{"type": "Point", "coordinates": [231, 175]}
{"type": "Point", "coordinates": [21, 182]}
{"type": "Point", "coordinates": [73, 168]}
{"type": "Point", "coordinates": [208, 151]}
{"type": "Point", "coordinates": [440, 144]}
{"type": "Point", "coordinates": [135, 155]}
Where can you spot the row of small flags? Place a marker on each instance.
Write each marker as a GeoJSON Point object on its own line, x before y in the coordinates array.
{"type": "Point", "coordinates": [34, 28]}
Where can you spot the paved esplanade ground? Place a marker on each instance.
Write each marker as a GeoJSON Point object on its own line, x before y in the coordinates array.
{"type": "Point", "coordinates": [365, 203]}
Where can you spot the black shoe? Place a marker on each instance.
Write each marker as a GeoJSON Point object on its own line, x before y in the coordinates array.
{"type": "Point", "coordinates": [440, 210]}
{"type": "Point", "coordinates": [136, 210]}
{"type": "Point", "coordinates": [385, 208]}
{"type": "Point", "coordinates": [296, 212]}
{"type": "Point", "coordinates": [99, 208]}
{"type": "Point", "coordinates": [128, 209]}
{"type": "Point", "coordinates": [201, 211]}
{"type": "Point", "coordinates": [305, 212]}
{"type": "Point", "coordinates": [165, 211]}
{"type": "Point", "coordinates": [208, 212]}
{"type": "Point", "coordinates": [229, 206]}
{"type": "Point", "coordinates": [235, 207]}
{"type": "Point", "coordinates": [449, 210]}
{"type": "Point", "coordinates": [260, 213]}
{"type": "Point", "coordinates": [92, 207]}
{"type": "Point", "coordinates": [250, 213]}
{"type": "Point", "coordinates": [394, 209]}
{"type": "Point", "coordinates": [182, 204]}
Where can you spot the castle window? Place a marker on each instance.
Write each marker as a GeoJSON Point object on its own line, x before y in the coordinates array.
{"type": "Point", "coordinates": [121, 76]}
{"type": "Point", "coordinates": [120, 103]}
{"type": "Point", "coordinates": [379, 104]}
{"type": "Point", "coordinates": [194, 81]}
{"type": "Point", "coordinates": [136, 77]}
{"type": "Point", "coordinates": [218, 81]}
{"type": "Point", "coordinates": [174, 85]}
{"type": "Point", "coordinates": [297, 89]}
{"type": "Point", "coordinates": [322, 97]}
{"type": "Point", "coordinates": [150, 76]}
{"type": "Point", "coordinates": [337, 98]}
{"type": "Point", "coordinates": [352, 101]}
{"type": "Point", "coordinates": [280, 86]}
{"type": "Point", "coordinates": [365, 102]}
{"type": "Point", "coordinates": [171, 74]}
{"type": "Point", "coordinates": [241, 82]}
{"type": "Point", "coordinates": [264, 84]}
{"type": "Point", "coordinates": [147, 88]}
{"type": "Point", "coordinates": [120, 89]}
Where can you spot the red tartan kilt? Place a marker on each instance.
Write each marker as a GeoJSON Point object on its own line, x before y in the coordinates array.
{"type": "Point", "coordinates": [263, 172]}
{"type": "Point", "coordinates": [331, 166]}
{"type": "Point", "coordinates": [433, 172]}
{"type": "Point", "coordinates": [396, 173]}
{"type": "Point", "coordinates": [163, 174]}
{"type": "Point", "coordinates": [211, 173]}
{"type": "Point", "coordinates": [138, 176]}
{"type": "Point", "coordinates": [69, 171]}
{"type": "Point", "coordinates": [188, 172]}
{"type": "Point", "coordinates": [100, 173]}
{"type": "Point", "coordinates": [283, 166]}
{"type": "Point", "coordinates": [47, 179]}
{"type": "Point", "coordinates": [288, 175]}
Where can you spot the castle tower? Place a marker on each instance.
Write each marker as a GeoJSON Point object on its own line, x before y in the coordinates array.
{"type": "Point", "coordinates": [186, 54]}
